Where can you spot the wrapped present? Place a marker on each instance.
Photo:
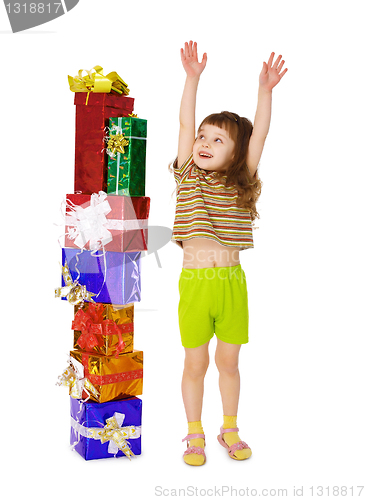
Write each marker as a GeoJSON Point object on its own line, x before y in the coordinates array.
{"type": "Point", "coordinates": [126, 148]}
{"type": "Point", "coordinates": [115, 223]}
{"type": "Point", "coordinates": [104, 328]}
{"type": "Point", "coordinates": [90, 153]}
{"type": "Point", "coordinates": [111, 377]}
{"type": "Point", "coordinates": [106, 430]}
{"type": "Point", "coordinates": [112, 277]}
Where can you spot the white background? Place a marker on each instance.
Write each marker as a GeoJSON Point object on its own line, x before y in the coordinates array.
{"type": "Point", "coordinates": [302, 373]}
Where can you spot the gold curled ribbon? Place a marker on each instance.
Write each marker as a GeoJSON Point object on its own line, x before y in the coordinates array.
{"type": "Point", "coordinates": [71, 379]}
{"type": "Point", "coordinates": [132, 115]}
{"type": "Point", "coordinates": [95, 81]}
{"type": "Point", "coordinates": [75, 293]}
{"type": "Point", "coordinates": [114, 433]}
{"type": "Point", "coordinates": [117, 143]}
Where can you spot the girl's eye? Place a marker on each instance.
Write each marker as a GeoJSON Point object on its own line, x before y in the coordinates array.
{"type": "Point", "coordinates": [218, 139]}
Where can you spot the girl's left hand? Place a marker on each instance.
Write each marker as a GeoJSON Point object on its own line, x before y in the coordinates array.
{"type": "Point", "coordinates": [270, 74]}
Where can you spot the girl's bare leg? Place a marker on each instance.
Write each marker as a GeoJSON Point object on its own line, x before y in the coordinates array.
{"type": "Point", "coordinates": [226, 358]}
{"type": "Point", "coordinates": [192, 385]}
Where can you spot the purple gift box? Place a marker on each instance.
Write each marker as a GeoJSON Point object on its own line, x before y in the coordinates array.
{"type": "Point", "coordinates": [114, 278]}
{"type": "Point", "coordinates": [106, 430]}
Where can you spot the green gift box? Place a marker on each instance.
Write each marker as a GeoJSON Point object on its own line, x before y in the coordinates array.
{"type": "Point", "coordinates": [126, 148]}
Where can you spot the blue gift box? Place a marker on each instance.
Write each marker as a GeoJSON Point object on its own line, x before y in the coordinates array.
{"type": "Point", "coordinates": [87, 417]}
{"type": "Point", "coordinates": [114, 278]}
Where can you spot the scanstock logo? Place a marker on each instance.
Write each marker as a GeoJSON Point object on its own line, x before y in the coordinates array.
{"type": "Point", "coordinates": [27, 14]}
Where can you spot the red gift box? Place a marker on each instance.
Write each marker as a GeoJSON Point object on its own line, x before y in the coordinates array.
{"type": "Point", "coordinates": [90, 153]}
{"type": "Point", "coordinates": [92, 220]}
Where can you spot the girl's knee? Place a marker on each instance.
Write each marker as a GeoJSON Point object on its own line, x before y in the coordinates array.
{"type": "Point", "coordinates": [196, 367]}
{"type": "Point", "coordinates": [227, 364]}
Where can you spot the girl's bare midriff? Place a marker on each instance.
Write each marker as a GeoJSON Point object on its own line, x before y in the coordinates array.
{"type": "Point", "coordinates": [203, 252]}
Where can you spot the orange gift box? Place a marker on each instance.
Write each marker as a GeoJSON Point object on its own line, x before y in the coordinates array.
{"type": "Point", "coordinates": [104, 328]}
{"type": "Point", "coordinates": [113, 377]}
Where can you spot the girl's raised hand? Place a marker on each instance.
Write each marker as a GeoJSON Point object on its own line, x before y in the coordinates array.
{"type": "Point", "coordinates": [272, 73]}
{"type": "Point", "coordinates": [189, 59]}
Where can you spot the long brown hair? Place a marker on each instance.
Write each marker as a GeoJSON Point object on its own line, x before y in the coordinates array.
{"type": "Point", "coordinates": [237, 174]}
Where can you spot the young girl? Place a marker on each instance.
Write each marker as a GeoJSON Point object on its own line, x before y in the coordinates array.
{"type": "Point", "coordinates": [217, 190]}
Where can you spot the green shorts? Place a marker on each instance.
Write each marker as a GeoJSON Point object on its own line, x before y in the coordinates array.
{"type": "Point", "coordinates": [213, 300]}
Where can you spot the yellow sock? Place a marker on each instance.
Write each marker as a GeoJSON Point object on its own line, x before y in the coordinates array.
{"type": "Point", "coordinates": [194, 458]}
{"type": "Point", "coordinates": [230, 422]}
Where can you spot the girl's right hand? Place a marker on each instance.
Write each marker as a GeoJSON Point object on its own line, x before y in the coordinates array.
{"type": "Point", "coordinates": [189, 59]}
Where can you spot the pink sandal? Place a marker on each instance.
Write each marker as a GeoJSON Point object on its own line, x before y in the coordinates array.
{"type": "Point", "coordinates": [195, 449]}
{"type": "Point", "coordinates": [241, 445]}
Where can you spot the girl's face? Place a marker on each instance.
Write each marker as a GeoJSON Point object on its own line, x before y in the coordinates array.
{"type": "Point", "coordinates": [213, 148]}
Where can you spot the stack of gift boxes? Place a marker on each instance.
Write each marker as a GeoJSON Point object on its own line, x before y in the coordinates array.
{"type": "Point", "coordinates": [105, 234]}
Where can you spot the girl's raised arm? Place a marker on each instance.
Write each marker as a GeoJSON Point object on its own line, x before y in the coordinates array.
{"type": "Point", "coordinates": [189, 59]}
{"type": "Point", "coordinates": [270, 76]}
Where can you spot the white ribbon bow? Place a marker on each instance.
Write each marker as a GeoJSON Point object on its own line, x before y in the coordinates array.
{"type": "Point", "coordinates": [91, 225]}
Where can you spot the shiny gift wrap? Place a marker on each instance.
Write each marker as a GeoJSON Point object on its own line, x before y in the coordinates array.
{"type": "Point", "coordinates": [90, 153]}
{"type": "Point", "coordinates": [127, 167]}
{"type": "Point", "coordinates": [112, 377]}
{"type": "Point", "coordinates": [116, 223]}
{"type": "Point", "coordinates": [96, 81]}
{"type": "Point", "coordinates": [114, 277]}
{"type": "Point", "coordinates": [88, 419]}
{"type": "Point", "coordinates": [104, 328]}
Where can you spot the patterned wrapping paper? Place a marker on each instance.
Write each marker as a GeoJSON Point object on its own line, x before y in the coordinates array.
{"type": "Point", "coordinates": [122, 218]}
{"type": "Point", "coordinates": [114, 278]}
{"type": "Point", "coordinates": [113, 377]}
{"type": "Point", "coordinates": [127, 170]}
{"type": "Point", "coordinates": [92, 415]}
{"type": "Point", "coordinates": [104, 326]}
{"type": "Point", "coordinates": [90, 154]}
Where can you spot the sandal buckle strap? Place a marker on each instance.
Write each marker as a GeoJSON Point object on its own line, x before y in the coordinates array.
{"type": "Point", "coordinates": [224, 431]}
{"type": "Point", "coordinates": [193, 436]}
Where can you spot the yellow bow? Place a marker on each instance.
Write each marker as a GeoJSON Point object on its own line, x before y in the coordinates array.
{"type": "Point", "coordinates": [75, 293]}
{"type": "Point", "coordinates": [117, 143]}
{"type": "Point", "coordinates": [96, 82]}
{"type": "Point", "coordinates": [114, 433]}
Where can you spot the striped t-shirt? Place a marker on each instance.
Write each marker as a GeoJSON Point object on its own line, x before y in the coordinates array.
{"type": "Point", "coordinates": [206, 208]}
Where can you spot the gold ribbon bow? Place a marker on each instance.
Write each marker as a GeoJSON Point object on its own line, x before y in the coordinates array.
{"type": "Point", "coordinates": [95, 81]}
{"type": "Point", "coordinates": [115, 434]}
{"type": "Point", "coordinates": [117, 143]}
{"type": "Point", "coordinates": [76, 385]}
{"type": "Point", "coordinates": [75, 293]}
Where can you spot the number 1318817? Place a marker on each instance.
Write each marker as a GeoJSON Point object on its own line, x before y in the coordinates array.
{"type": "Point", "coordinates": [34, 8]}
{"type": "Point", "coordinates": [336, 491]}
